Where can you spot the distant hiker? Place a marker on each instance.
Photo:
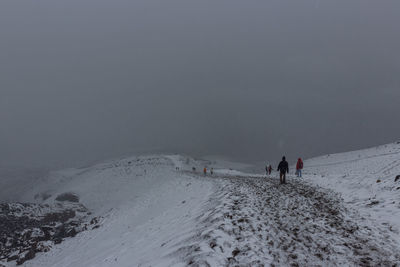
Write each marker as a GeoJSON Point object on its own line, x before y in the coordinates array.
{"type": "Point", "coordinates": [299, 167]}
{"type": "Point", "coordinates": [212, 171]}
{"type": "Point", "coordinates": [177, 168]}
{"type": "Point", "coordinates": [283, 168]}
{"type": "Point", "coordinates": [269, 169]}
{"type": "Point", "coordinates": [205, 171]}
{"type": "Point", "coordinates": [266, 170]}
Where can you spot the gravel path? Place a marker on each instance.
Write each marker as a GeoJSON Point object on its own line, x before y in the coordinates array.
{"type": "Point", "coordinates": [253, 221]}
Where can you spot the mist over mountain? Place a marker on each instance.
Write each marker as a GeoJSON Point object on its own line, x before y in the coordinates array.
{"type": "Point", "coordinates": [83, 81]}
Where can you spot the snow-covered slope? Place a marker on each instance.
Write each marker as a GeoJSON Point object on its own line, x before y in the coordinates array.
{"type": "Point", "coordinates": [159, 211]}
{"type": "Point", "coordinates": [145, 207]}
{"type": "Point", "coordinates": [365, 179]}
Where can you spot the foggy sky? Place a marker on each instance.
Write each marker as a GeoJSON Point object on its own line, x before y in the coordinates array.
{"type": "Point", "coordinates": [82, 81]}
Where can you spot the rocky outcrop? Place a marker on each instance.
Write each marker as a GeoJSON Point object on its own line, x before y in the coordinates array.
{"type": "Point", "coordinates": [26, 229]}
{"type": "Point", "coordinates": [71, 197]}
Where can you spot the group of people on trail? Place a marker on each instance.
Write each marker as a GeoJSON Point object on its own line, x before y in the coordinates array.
{"type": "Point", "coordinates": [283, 169]}
{"type": "Point", "coordinates": [268, 169]}
{"type": "Point", "coordinates": [205, 171]}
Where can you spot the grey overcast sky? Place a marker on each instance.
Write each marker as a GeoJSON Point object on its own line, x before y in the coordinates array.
{"type": "Point", "coordinates": [82, 81]}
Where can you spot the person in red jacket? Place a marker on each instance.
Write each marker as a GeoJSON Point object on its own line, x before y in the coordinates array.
{"type": "Point", "coordinates": [299, 167]}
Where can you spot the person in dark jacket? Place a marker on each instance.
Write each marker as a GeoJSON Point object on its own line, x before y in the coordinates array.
{"type": "Point", "coordinates": [283, 168]}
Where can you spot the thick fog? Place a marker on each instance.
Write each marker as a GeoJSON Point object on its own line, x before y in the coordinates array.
{"type": "Point", "coordinates": [82, 81]}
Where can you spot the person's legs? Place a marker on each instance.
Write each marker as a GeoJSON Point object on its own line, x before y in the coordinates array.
{"type": "Point", "coordinates": [299, 173]}
{"type": "Point", "coordinates": [284, 178]}
{"type": "Point", "coordinates": [280, 177]}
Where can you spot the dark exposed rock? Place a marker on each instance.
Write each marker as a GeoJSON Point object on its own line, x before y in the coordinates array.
{"type": "Point", "coordinates": [12, 258]}
{"type": "Point", "coordinates": [71, 233]}
{"type": "Point", "coordinates": [235, 252]}
{"type": "Point", "coordinates": [378, 181]}
{"type": "Point", "coordinates": [373, 202]}
{"type": "Point", "coordinates": [213, 244]}
{"type": "Point", "coordinates": [94, 220]}
{"type": "Point", "coordinates": [26, 229]}
{"type": "Point", "coordinates": [62, 217]}
{"type": "Point", "coordinates": [397, 178]}
{"type": "Point", "coordinates": [71, 197]}
{"type": "Point", "coordinates": [30, 254]}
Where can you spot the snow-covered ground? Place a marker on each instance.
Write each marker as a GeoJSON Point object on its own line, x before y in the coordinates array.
{"type": "Point", "coordinates": [157, 211]}
{"type": "Point", "coordinates": [365, 179]}
{"type": "Point", "coordinates": [146, 208]}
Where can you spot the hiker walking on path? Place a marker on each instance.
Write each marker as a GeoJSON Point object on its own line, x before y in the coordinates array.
{"type": "Point", "coordinates": [269, 169]}
{"type": "Point", "coordinates": [283, 168]}
{"type": "Point", "coordinates": [205, 171]}
{"type": "Point", "coordinates": [299, 167]}
{"type": "Point", "coordinates": [266, 169]}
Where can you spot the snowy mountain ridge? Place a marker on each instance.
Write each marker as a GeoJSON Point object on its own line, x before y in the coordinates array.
{"type": "Point", "coordinates": [157, 211]}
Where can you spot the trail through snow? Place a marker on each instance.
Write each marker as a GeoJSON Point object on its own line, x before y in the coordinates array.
{"type": "Point", "coordinates": [157, 211]}
{"type": "Point", "coordinates": [255, 221]}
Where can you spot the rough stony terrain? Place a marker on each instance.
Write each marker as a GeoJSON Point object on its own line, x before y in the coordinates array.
{"type": "Point", "coordinates": [253, 221]}
{"type": "Point", "coordinates": [28, 228]}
